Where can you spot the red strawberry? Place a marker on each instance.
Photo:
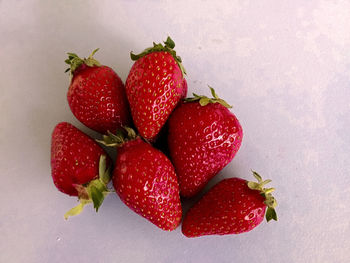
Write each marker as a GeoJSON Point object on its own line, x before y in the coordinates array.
{"type": "Point", "coordinates": [204, 136]}
{"type": "Point", "coordinates": [78, 166]}
{"type": "Point", "coordinates": [184, 90]}
{"type": "Point", "coordinates": [232, 206]}
{"type": "Point", "coordinates": [96, 95]}
{"type": "Point", "coordinates": [155, 85]}
{"type": "Point", "coordinates": [145, 180]}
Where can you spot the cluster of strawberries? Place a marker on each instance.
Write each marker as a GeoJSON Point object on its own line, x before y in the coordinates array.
{"type": "Point", "coordinates": [196, 138]}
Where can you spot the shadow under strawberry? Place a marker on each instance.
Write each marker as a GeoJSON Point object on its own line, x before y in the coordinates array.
{"type": "Point", "coordinates": [161, 142]}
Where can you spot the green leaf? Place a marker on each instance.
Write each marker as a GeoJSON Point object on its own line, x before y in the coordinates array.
{"type": "Point", "coordinates": [102, 165]}
{"type": "Point", "coordinates": [117, 140]}
{"type": "Point", "coordinates": [213, 92]}
{"type": "Point", "coordinates": [265, 182]}
{"type": "Point", "coordinates": [134, 57]}
{"type": "Point", "coordinates": [99, 185]}
{"type": "Point", "coordinates": [257, 176]}
{"type": "Point", "coordinates": [93, 52]}
{"type": "Point", "coordinates": [270, 201]}
{"type": "Point", "coordinates": [274, 202]}
{"type": "Point", "coordinates": [112, 140]}
{"type": "Point", "coordinates": [191, 99]}
{"type": "Point", "coordinates": [97, 196]}
{"type": "Point", "coordinates": [74, 211]}
{"type": "Point", "coordinates": [157, 47]}
{"type": "Point", "coordinates": [253, 185]}
{"type": "Point", "coordinates": [104, 173]}
{"type": "Point", "coordinates": [269, 190]}
{"type": "Point", "coordinates": [89, 63]}
{"type": "Point", "coordinates": [271, 214]}
{"type": "Point", "coordinates": [77, 209]}
{"type": "Point", "coordinates": [169, 43]}
{"type": "Point", "coordinates": [103, 142]}
{"type": "Point", "coordinates": [106, 177]}
{"type": "Point", "coordinates": [72, 55]}
{"type": "Point", "coordinates": [223, 103]}
{"type": "Point", "coordinates": [131, 132]}
{"type": "Point", "coordinates": [204, 101]}
{"type": "Point", "coordinates": [75, 61]}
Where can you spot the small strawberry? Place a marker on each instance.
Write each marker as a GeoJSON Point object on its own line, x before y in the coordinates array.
{"type": "Point", "coordinates": [96, 95]}
{"type": "Point", "coordinates": [155, 85]}
{"type": "Point", "coordinates": [204, 136]}
{"type": "Point", "coordinates": [78, 166]}
{"type": "Point", "coordinates": [145, 180]}
{"type": "Point", "coordinates": [232, 206]}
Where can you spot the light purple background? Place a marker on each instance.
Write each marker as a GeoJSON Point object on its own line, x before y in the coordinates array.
{"type": "Point", "coordinates": [284, 65]}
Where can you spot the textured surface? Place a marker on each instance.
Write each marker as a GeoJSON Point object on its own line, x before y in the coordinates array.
{"type": "Point", "coordinates": [230, 207]}
{"type": "Point", "coordinates": [145, 180]}
{"type": "Point", "coordinates": [97, 98]}
{"type": "Point", "coordinates": [74, 158]}
{"type": "Point", "coordinates": [283, 65]}
{"type": "Point", "coordinates": [202, 140]}
{"type": "Point", "coordinates": [154, 87]}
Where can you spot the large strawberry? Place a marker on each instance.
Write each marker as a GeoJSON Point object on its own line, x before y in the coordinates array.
{"type": "Point", "coordinates": [155, 85]}
{"type": "Point", "coordinates": [96, 95]}
{"type": "Point", "coordinates": [232, 206]}
{"type": "Point", "coordinates": [145, 180]}
{"type": "Point", "coordinates": [204, 136]}
{"type": "Point", "coordinates": [79, 166]}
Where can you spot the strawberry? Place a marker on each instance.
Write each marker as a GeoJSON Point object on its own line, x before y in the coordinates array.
{"type": "Point", "coordinates": [79, 166]}
{"type": "Point", "coordinates": [232, 206]}
{"type": "Point", "coordinates": [154, 86]}
{"type": "Point", "coordinates": [96, 95]}
{"type": "Point", "coordinates": [184, 90]}
{"type": "Point", "coordinates": [145, 180]}
{"type": "Point", "coordinates": [203, 138]}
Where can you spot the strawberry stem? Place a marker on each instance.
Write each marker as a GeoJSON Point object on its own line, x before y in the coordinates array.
{"type": "Point", "coordinates": [204, 100]}
{"type": "Point", "coordinates": [168, 46]}
{"type": "Point", "coordinates": [270, 201]}
{"type": "Point", "coordinates": [94, 192]}
{"type": "Point", "coordinates": [74, 61]}
{"type": "Point", "coordinates": [118, 139]}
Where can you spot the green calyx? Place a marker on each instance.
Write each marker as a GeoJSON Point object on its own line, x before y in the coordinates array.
{"type": "Point", "coordinates": [74, 61]}
{"type": "Point", "coordinates": [204, 100]}
{"type": "Point", "coordinates": [168, 46]}
{"type": "Point", "coordinates": [270, 201]}
{"type": "Point", "coordinates": [94, 192]}
{"type": "Point", "coordinates": [116, 140]}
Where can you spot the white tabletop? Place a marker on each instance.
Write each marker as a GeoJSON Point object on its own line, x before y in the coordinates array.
{"type": "Point", "coordinates": [284, 65]}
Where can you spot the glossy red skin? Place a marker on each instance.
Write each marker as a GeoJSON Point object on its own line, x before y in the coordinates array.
{"type": "Point", "coordinates": [184, 90]}
{"type": "Point", "coordinates": [230, 207]}
{"type": "Point", "coordinates": [145, 181]}
{"type": "Point", "coordinates": [154, 87]}
{"type": "Point", "coordinates": [74, 158]}
{"type": "Point", "coordinates": [97, 98]}
{"type": "Point", "coordinates": [202, 141]}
